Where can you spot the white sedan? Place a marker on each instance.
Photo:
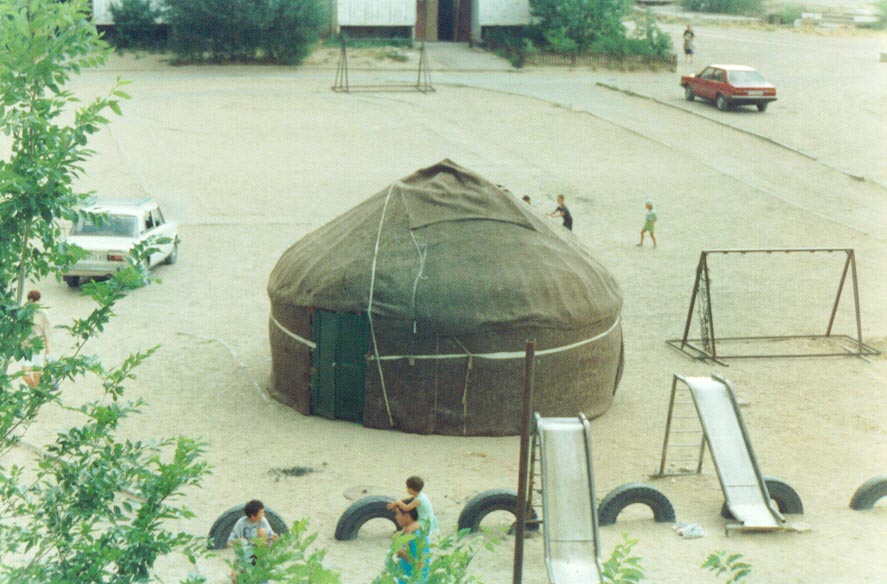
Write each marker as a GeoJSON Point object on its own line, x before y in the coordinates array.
{"type": "Point", "coordinates": [108, 239]}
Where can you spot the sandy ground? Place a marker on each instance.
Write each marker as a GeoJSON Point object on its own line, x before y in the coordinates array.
{"type": "Point", "coordinates": [250, 159]}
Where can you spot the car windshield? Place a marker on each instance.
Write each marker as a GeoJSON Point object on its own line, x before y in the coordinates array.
{"type": "Point", "coordinates": [107, 226]}
{"type": "Point", "coordinates": [746, 78]}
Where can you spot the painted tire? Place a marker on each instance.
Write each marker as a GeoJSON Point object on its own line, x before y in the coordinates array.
{"type": "Point", "coordinates": [485, 503]}
{"type": "Point", "coordinates": [787, 499]}
{"type": "Point", "coordinates": [630, 494]}
{"type": "Point", "coordinates": [869, 493]}
{"type": "Point", "coordinates": [361, 511]}
{"type": "Point", "coordinates": [221, 529]}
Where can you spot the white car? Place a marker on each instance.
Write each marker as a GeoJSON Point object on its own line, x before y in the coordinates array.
{"type": "Point", "coordinates": [108, 240]}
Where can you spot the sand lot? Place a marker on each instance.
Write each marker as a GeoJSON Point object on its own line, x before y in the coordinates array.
{"type": "Point", "coordinates": [250, 159]}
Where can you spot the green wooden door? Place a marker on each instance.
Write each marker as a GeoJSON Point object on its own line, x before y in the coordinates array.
{"type": "Point", "coordinates": [339, 364]}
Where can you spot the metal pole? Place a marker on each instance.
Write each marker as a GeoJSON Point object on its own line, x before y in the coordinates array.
{"type": "Point", "coordinates": [831, 319]}
{"type": "Point", "coordinates": [856, 300]}
{"type": "Point", "coordinates": [692, 301]}
{"type": "Point", "coordinates": [526, 416]}
{"type": "Point", "coordinates": [711, 319]}
{"type": "Point", "coordinates": [674, 384]}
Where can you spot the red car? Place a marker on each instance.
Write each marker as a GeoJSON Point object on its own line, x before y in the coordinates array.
{"type": "Point", "coordinates": [729, 85]}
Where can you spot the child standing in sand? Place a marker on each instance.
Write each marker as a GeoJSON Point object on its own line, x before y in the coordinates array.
{"type": "Point", "coordinates": [649, 223]}
{"type": "Point", "coordinates": [420, 502]}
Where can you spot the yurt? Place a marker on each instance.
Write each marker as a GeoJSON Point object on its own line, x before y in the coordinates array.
{"type": "Point", "coordinates": [412, 310]}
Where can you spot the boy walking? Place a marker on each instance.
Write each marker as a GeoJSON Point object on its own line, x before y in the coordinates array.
{"type": "Point", "coordinates": [563, 212]}
{"type": "Point", "coordinates": [649, 223]}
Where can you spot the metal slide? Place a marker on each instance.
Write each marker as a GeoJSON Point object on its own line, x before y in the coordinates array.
{"type": "Point", "coordinates": [572, 554]}
{"type": "Point", "coordinates": [731, 449]}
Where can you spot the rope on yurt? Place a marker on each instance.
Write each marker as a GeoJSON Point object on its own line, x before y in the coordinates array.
{"type": "Point", "coordinates": [506, 354]}
{"type": "Point", "coordinates": [422, 253]}
{"type": "Point", "coordinates": [286, 331]}
{"type": "Point", "coordinates": [465, 389]}
{"type": "Point", "coordinates": [370, 308]}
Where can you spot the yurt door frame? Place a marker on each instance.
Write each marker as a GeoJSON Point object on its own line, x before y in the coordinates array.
{"type": "Point", "coordinates": [338, 364]}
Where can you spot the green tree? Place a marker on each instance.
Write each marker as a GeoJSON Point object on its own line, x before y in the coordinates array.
{"type": "Point", "coordinates": [280, 31]}
{"type": "Point", "coordinates": [582, 21]}
{"type": "Point", "coordinates": [90, 507]}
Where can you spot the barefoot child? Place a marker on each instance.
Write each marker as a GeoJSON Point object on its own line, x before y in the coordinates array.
{"type": "Point", "coordinates": [649, 223]}
{"type": "Point", "coordinates": [419, 501]}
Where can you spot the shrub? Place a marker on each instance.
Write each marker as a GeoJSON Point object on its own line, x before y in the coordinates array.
{"type": "Point", "coordinates": [622, 567]}
{"type": "Point", "coordinates": [281, 31]}
{"type": "Point", "coordinates": [881, 7]}
{"type": "Point", "coordinates": [135, 25]}
{"type": "Point", "coordinates": [730, 566]}
{"type": "Point", "coordinates": [749, 7]}
{"type": "Point", "coordinates": [582, 21]}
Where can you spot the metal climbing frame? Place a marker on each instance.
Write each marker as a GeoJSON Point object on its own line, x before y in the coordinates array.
{"type": "Point", "coordinates": [705, 347]}
{"type": "Point", "coordinates": [423, 77]}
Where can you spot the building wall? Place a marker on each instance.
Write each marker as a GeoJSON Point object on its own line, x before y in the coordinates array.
{"type": "Point", "coordinates": [503, 12]}
{"type": "Point", "coordinates": [101, 11]}
{"type": "Point", "coordinates": [376, 13]}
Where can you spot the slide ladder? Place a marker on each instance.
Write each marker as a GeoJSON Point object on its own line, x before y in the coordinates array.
{"type": "Point", "coordinates": [728, 441]}
{"type": "Point", "coordinates": [572, 551]}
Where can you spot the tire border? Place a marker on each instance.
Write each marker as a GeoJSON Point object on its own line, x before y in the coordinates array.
{"type": "Point", "coordinates": [631, 493]}
{"type": "Point", "coordinates": [486, 502]}
{"type": "Point", "coordinates": [869, 493]}
{"type": "Point", "coordinates": [361, 511]}
{"type": "Point", "coordinates": [222, 526]}
{"type": "Point", "coordinates": [787, 499]}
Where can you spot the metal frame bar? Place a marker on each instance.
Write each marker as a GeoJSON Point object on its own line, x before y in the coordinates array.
{"type": "Point", "coordinates": [686, 344]}
{"type": "Point", "coordinates": [422, 85]}
{"type": "Point", "coordinates": [586, 427]}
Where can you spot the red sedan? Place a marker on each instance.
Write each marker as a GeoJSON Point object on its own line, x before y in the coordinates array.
{"type": "Point", "coordinates": [729, 85]}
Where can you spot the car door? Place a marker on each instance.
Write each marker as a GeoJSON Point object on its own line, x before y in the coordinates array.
{"type": "Point", "coordinates": [155, 228]}
{"type": "Point", "coordinates": [702, 87]}
{"type": "Point", "coordinates": [719, 83]}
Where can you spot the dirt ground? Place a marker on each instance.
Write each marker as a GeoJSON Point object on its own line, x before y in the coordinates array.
{"type": "Point", "coordinates": [249, 159]}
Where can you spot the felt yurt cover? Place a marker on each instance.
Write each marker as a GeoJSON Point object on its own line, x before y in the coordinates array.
{"type": "Point", "coordinates": [452, 274]}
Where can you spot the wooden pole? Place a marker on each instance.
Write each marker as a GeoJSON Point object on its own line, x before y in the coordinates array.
{"type": "Point", "coordinates": [522, 486]}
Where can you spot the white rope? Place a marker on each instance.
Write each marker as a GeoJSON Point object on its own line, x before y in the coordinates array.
{"type": "Point", "coordinates": [370, 308]}
{"type": "Point", "coordinates": [304, 341]}
{"type": "Point", "coordinates": [505, 354]}
{"type": "Point", "coordinates": [492, 356]}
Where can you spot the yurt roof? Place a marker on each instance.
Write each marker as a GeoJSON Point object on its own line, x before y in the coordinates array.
{"type": "Point", "coordinates": [451, 252]}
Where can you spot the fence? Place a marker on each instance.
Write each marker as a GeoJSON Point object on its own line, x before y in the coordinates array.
{"type": "Point", "coordinates": [621, 62]}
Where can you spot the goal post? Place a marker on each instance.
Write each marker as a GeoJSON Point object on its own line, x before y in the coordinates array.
{"type": "Point", "coordinates": [343, 84]}
{"type": "Point", "coordinates": [705, 347]}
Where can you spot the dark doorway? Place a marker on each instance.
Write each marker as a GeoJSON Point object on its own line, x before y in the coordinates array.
{"type": "Point", "coordinates": [338, 364]}
{"type": "Point", "coordinates": [446, 20]}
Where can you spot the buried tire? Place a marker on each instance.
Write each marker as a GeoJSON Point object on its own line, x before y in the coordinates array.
{"type": "Point", "coordinates": [485, 503]}
{"type": "Point", "coordinates": [869, 493]}
{"type": "Point", "coordinates": [630, 494]}
{"type": "Point", "coordinates": [221, 528]}
{"type": "Point", "coordinates": [361, 511]}
{"type": "Point", "coordinates": [787, 499]}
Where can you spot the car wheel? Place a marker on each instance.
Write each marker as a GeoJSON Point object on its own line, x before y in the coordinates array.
{"type": "Point", "coordinates": [71, 281]}
{"type": "Point", "coordinates": [762, 107]}
{"type": "Point", "coordinates": [688, 93]}
{"type": "Point", "coordinates": [173, 255]}
{"type": "Point", "coordinates": [722, 103]}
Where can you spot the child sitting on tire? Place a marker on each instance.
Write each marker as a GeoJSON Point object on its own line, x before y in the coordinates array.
{"type": "Point", "coordinates": [419, 501]}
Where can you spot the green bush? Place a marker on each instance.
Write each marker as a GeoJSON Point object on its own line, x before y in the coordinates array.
{"type": "Point", "coordinates": [748, 7]}
{"type": "Point", "coordinates": [135, 25]}
{"type": "Point", "coordinates": [279, 31]}
{"type": "Point", "coordinates": [881, 7]}
{"type": "Point", "coordinates": [582, 21]}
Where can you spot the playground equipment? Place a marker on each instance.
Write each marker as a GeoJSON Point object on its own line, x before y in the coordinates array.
{"type": "Point", "coordinates": [869, 493]}
{"type": "Point", "coordinates": [221, 527]}
{"type": "Point", "coordinates": [747, 492]}
{"type": "Point", "coordinates": [705, 347]}
{"type": "Point", "coordinates": [561, 449]}
{"type": "Point", "coordinates": [343, 84]}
